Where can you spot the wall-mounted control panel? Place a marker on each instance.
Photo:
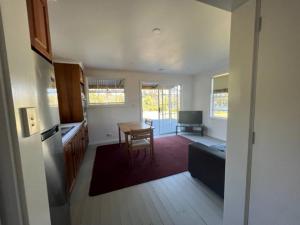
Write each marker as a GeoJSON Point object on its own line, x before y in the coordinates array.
{"type": "Point", "coordinates": [29, 121]}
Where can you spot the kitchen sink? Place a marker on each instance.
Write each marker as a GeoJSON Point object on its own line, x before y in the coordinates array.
{"type": "Point", "coordinates": [65, 130]}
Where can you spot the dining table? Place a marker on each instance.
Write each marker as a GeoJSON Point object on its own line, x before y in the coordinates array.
{"type": "Point", "coordinates": [127, 127]}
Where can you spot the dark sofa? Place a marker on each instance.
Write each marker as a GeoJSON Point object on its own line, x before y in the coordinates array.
{"type": "Point", "coordinates": [208, 165]}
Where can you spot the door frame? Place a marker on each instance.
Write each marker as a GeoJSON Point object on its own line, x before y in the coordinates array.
{"type": "Point", "coordinates": [178, 95]}
{"type": "Point", "coordinates": [13, 208]}
{"type": "Point", "coordinates": [140, 96]}
{"type": "Point", "coordinates": [179, 98]}
{"type": "Point", "coordinates": [253, 149]}
{"type": "Point", "coordinates": [251, 140]}
{"type": "Point", "coordinates": [242, 180]}
{"type": "Point", "coordinates": [141, 100]}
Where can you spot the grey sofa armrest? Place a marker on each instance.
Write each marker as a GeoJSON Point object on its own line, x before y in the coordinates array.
{"type": "Point", "coordinates": [208, 165]}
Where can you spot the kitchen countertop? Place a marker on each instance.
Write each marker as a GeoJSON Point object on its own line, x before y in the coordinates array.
{"type": "Point", "coordinates": [72, 132]}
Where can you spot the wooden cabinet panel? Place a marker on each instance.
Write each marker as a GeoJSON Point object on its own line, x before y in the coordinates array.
{"type": "Point", "coordinates": [86, 135]}
{"type": "Point", "coordinates": [74, 154]}
{"type": "Point", "coordinates": [39, 27]}
{"type": "Point", "coordinates": [69, 92]}
{"type": "Point", "coordinates": [69, 166]}
{"type": "Point", "coordinates": [82, 136]}
{"type": "Point", "coordinates": [81, 77]}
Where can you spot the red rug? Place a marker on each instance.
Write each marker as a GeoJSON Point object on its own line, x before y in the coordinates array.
{"type": "Point", "coordinates": [112, 171]}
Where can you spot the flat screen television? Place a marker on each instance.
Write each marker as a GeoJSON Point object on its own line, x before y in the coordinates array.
{"type": "Point", "coordinates": [190, 117]}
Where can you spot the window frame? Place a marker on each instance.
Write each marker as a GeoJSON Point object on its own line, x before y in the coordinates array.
{"type": "Point", "coordinates": [211, 110]}
{"type": "Point", "coordinates": [107, 104]}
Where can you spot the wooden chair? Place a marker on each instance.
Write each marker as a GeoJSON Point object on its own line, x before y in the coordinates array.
{"type": "Point", "coordinates": [140, 140]}
{"type": "Point", "coordinates": [149, 122]}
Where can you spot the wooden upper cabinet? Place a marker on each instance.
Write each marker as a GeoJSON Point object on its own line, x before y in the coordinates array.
{"type": "Point", "coordinates": [39, 27]}
{"type": "Point", "coordinates": [69, 90]}
{"type": "Point", "coordinates": [81, 77]}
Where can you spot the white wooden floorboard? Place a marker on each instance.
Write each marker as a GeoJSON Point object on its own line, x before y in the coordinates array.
{"type": "Point", "coordinates": [182, 213]}
{"type": "Point", "coordinates": [174, 200]}
{"type": "Point", "coordinates": [160, 208]}
{"type": "Point", "coordinates": [174, 214]}
{"type": "Point", "coordinates": [136, 208]}
{"type": "Point", "coordinates": [124, 210]}
{"type": "Point", "coordinates": [204, 191]}
{"type": "Point", "coordinates": [203, 206]}
{"type": "Point", "coordinates": [153, 212]}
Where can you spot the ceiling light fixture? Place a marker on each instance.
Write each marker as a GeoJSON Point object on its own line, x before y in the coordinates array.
{"type": "Point", "coordinates": [156, 30]}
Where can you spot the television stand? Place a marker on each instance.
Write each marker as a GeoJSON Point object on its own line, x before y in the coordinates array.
{"type": "Point", "coordinates": [191, 127]}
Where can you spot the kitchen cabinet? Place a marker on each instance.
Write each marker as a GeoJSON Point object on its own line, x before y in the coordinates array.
{"type": "Point", "coordinates": [74, 151]}
{"type": "Point", "coordinates": [86, 136]}
{"type": "Point", "coordinates": [39, 27]}
{"type": "Point", "coordinates": [71, 92]}
{"type": "Point", "coordinates": [69, 166]}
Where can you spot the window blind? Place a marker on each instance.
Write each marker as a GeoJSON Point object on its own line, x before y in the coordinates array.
{"type": "Point", "coordinates": [220, 84]}
{"type": "Point", "coordinates": [106, 84]}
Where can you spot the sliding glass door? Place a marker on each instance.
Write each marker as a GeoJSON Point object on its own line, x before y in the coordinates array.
{"type": "Point", "coordinates": [161, 104]}
{"type": "Point", "coordinates": [169, 104]}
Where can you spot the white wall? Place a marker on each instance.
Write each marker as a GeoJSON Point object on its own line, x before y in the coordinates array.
{"type": "Point", "coordinates": [103, 119]}
{"type": "Point", "coordinates": [19, 67]}
{"type": "Point", "coordinates": [275, 178]}
{"type": "Point", "coordinates": [216, 127]}
{"type": "Point", "coordinates": [240, 82]}
{"type": "Point", "coordinates": [9, 190]}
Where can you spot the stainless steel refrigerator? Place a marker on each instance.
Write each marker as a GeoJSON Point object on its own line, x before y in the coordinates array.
{"type": "Point", "coordinates": [52, 142]}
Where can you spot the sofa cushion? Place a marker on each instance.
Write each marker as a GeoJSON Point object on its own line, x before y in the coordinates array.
{"type": "Point", "coordinates": [214, 151]}
{"type": "Point", "coordinates": [220, 147]}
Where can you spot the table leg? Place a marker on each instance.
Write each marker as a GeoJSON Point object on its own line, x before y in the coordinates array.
{"type": "Point", "coordinates": [126, 141]}
{"type": "Point", "coordinates": [152, 143]}
{"type": "Point", "coordinates": [119, 136]}
{"type": "Point", "coordinates": [128, 150]}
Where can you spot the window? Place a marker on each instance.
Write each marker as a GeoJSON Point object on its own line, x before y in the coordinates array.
{"type": "Point", "coordinates": [219, 96]}
{"type": "Point", "coordinates": [106, 92]}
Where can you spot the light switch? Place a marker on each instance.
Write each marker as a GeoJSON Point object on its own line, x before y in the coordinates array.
{"type": "Point", "coordinates": [29, 121]}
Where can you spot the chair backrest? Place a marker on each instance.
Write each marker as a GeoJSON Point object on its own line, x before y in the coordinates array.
{"type": "Point", "coordinates": [149, 122]}
{"type": "Point", "coordinates": [141, 134]}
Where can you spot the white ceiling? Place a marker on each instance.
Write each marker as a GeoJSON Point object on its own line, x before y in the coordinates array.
{"type": "Point", "coordinates": [117, 34]}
